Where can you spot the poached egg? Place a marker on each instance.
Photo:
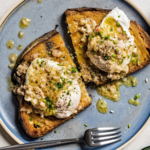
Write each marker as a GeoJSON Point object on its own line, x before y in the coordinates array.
{"type": "Point", "coordinates": [111, 46]}
{"type": "Point", "coordinates": [52, 88]}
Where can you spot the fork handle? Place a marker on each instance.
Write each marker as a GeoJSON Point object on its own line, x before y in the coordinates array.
{"type": "Point", "coordinates": [41, 144]}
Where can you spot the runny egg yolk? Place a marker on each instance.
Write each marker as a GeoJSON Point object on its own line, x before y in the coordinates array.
{"type": "Point", "coordinates": [113, 26]}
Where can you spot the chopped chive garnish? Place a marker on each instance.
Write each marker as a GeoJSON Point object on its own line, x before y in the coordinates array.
{"type": "Point", "coordinates": [113, 55]}
{"type": "Point", "coordinates": [101, 35]}
{"type": "Point", "coordinates": [118, 24]}
{"type": "Point", "coordinates": [115, 42]}
{"type": "Point", "coordinates": [93, 34]}
{"type": "Point", "coordinates": [30, 119]}
{"type": "Point", "coordinates": [37, 61]}
{"type": "Point", "coordinates": [107, 37]}
{"type": "Point", "coordinates": [81, 46]}
{"type": "Point", "coordinates": [129, 125]}
{"type": "Point", "coordinates": [135, 55]}
{"type": "Point", "coordinates": [117, 50]}
{"type": "Point", "coordinates": [49, 53]}
{"type": "Point", "coordinates": [121, 61]}
{"type": "Point", "coordinates": [42, 138]}
{"type": "Point", "coordinates": [89, 37]}
{"type": "Point", "coordinates": [42, 63]}
{"type": "Point", "coordinates": [138, 62]}
{"type": "Point", "coordinates": [93, 76]}
{"type": "Point", "coordinates": [123, 32]}
{"type": "Point", "coordinates": [55, 131]}
{"type": "Point", "coordinates": [133, 60]}
{"type": "Point", "coordinates": [119, 16]}
{"type": "Point", "coordinates": [74, 69]}
{"type": "Point", "coordinates": [137, 96]}
{"type": "Point", "coordinates": [70, 82]}
{"type": "Point", "coordinates": [69, 104]}
{"type": "Point", "coordinates": [111, 30]}
{"type": "Point", "coordinates": [73, 117]}
{"type": "Point", "coordinates": [129, 56]}
{"type": "Point", "coordinates": [86, 125]}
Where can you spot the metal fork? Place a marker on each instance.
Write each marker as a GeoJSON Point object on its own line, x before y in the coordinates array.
{"type": "Point", "coordinates": [92, 137]}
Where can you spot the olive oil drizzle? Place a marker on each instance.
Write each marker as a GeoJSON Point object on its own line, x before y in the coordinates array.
{"type": "Point", "coordinates": [112, 90]}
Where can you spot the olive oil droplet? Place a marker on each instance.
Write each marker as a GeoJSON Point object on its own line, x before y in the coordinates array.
{"type": "Point", "coordinates": [102, 106]}
{"type": "Point", "coordinates": [40, 1]}
{"type": "Point", "coordinates": [21, 34]}
{"type": "Point", "coordinates": [10, 44]}
{"type": "Point", "coordinates": [24, 23]}
{"type": "Point", "coordinates": [13, 57]}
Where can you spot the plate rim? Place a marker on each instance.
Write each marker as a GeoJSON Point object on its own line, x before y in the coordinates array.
{"type": "Point", "coordinates": [2, 23]}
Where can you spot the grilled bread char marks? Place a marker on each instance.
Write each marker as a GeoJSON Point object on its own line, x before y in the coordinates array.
{"type": "Point", "coordinates": [91, 73]}
{"type": "Point", "coordinates": [33, 124]}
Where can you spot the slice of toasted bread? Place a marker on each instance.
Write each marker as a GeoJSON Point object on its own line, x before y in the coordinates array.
{"type": "Point", "coordinates": [89, 72]}
{"type": "Point", "coordinates": [41, 47]}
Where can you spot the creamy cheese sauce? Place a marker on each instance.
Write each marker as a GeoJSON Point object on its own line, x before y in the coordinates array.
{"type": "Point", "coordinates": [112, 90]}
{"type": "Point", "coordinates": [24, 23]}
{"type": "Point", "coordinates": [10, 44]}
{"type": "Point", "coordinates": [52, 88]}
{"type": "Point", "coordinates": [102, 106]}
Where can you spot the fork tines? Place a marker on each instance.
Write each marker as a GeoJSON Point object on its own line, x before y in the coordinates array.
{"type": "Point", "coordinates": [102, 136]}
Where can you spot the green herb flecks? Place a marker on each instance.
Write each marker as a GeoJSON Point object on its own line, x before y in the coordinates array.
{"type": "Point", "coordinates": [74, 69]}
{"type": "Point", "coordinates": [42, 63]}
{"type": "Point", "coordinates": [123, 32]}
{"type": "Point", "coordinates": [86, 125]}
{"type": "Point", "coordinates": [55, 131]}
{"type": "Point", "coordinates": [59, 85]}
{"type": "Point", "coordinates": [49, 102]}
{"type": "Point", "coordinates": [107, 37]}
{"type": "Point", "coordinates": [69, 104]}
{"type": "Point", "coordinates": [30, 119]}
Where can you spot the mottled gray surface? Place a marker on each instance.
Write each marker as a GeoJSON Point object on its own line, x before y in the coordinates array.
{"type": "Point", "coordinates": [124, 113]}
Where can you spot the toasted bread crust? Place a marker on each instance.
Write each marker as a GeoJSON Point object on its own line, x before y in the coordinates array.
{"type": "Point", "coordinates": [82, 9]}
{"type": "Point", "coordinates": [142, 39]}
{"type": "Point", "coordinates": [49, 123]}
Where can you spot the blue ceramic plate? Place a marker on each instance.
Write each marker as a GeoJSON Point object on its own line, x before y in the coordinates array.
{"type": "Point", "coordinates": [44, 17]}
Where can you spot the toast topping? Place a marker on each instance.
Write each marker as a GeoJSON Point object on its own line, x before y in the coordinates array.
{"type": "Point", "coordinates": [52, 88]}
{"type": "Point", "coordinates": [87, 27]}
{"type": "Point", "coordinates": [111, 46]}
